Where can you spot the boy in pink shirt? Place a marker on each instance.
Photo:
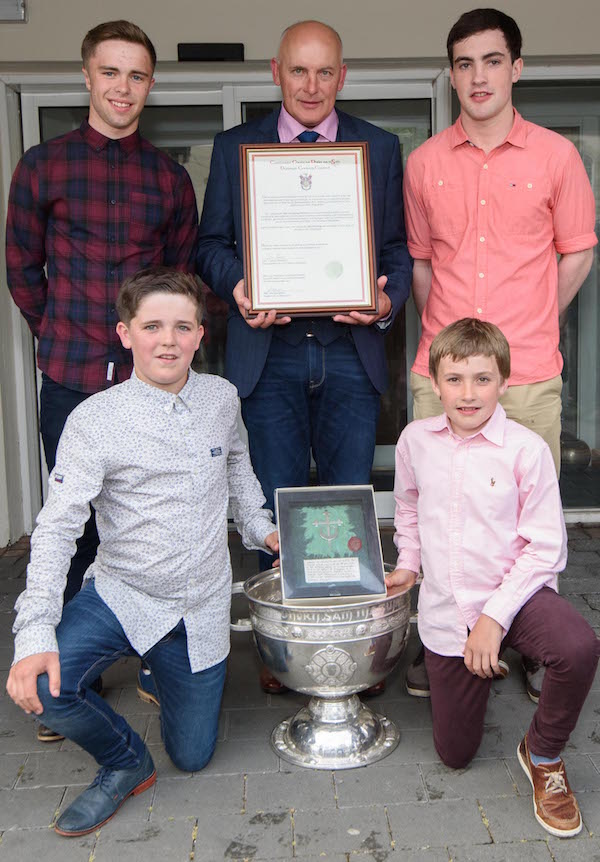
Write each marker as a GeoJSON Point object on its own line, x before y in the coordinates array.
{"type": "Point", "coordinates": [478, 508]}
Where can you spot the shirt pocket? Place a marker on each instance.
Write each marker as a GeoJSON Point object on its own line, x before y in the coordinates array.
{"type": "Point", "coordinates": [446, 205]}
{"type": "Point", "coordinates": [149, 216]}
{"type": "Point", "coordinates": [521, 204]}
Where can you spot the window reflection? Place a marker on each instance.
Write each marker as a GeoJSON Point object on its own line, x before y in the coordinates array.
{"type": "Point", "coordinates": [573, 110]}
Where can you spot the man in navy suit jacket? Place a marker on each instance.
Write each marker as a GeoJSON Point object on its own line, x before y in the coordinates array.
{"type": "Point", "coordinates": [311, 384]}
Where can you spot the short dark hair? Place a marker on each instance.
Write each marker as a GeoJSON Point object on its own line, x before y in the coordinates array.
{"type": "Point", "coordinates": [470, 337]}
{"type": "Point", "coordinates": [124, 31]}
{"type": "Point", "coordinates": [478, 20]}
{"type": "Point", "coordinates": [157, 279]}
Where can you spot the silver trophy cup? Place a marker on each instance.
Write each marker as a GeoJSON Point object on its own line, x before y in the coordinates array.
{"type": "Point", "coordinates": [330, 652]}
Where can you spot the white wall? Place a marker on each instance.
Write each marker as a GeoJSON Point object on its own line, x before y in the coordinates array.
{"type": "Point", "coordinates": [4, 520]}
{"type": "Point", "coordinates": [375, 29]}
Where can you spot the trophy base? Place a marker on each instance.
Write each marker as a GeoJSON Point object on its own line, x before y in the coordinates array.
{"type": "Point", "coordinates": [341, 733]}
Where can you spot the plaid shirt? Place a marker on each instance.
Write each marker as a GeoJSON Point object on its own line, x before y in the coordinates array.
{"type": "Point", "coordinates": [94, 210]}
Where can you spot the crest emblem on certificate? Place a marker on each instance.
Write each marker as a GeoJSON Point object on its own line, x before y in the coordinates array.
{"type": "Point", "coordinates": [305, 181]}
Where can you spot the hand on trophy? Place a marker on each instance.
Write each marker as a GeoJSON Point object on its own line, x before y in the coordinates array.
{"type": "Point", "coordinates": [401, 578]}
{"type": "Point", "coordinates": [272, 543]}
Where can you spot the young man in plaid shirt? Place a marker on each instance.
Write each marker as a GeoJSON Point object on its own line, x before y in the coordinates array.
{"type": "Point", "coordinates": [86, 210]}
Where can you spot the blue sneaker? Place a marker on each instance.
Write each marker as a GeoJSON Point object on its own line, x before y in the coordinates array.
{"type": "Point", "coordinates": [146, 689]}
{"type": "Point", "coordinates": [103, 798]}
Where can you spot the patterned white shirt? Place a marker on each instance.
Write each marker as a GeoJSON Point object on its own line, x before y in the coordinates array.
{"type": "Point", "coordinates": [160, 470]}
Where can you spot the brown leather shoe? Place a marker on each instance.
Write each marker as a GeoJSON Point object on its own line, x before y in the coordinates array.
{"type": "Point", "coordinates": [554, 803]}
{"type": "Point", "coordinates": [270, 684]}
{"type": "Point", "coordinates": [374, 690]}
{"type": "Point", "coordinates": [46, 734]}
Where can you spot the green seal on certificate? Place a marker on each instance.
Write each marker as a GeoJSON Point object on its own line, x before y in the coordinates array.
{"type": "Point", "coordinates": [333, 269]}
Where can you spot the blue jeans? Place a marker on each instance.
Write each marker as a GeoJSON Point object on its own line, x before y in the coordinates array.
{"type": "Point", "coordinates": [90, 639]}
{"type": "Point", "coordinates": [56, 403]}
{"type": "Point", "coordinates": [315, 399]}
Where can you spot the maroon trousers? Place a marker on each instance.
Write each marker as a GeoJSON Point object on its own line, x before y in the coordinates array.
{"type": "Point", "coordinates": [547, 629]}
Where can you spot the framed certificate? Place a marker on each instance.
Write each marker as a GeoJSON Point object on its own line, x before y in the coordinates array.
{"type": "Point", "coordinates": [307, 228]}
{"type": "Point", "coordinates": [329, 545]}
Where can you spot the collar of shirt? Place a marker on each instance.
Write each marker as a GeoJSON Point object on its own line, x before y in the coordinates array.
{"type": "Point", "coordinates": [493, 430]}
{"type": "Point", "coordinates": [289, 128]}
{"type": "Point", "coordinates": [517, 135]}
{"type": "Point", "coordinates": [165, 400]}
{"type": "Point", "coordinates": [98, 141]}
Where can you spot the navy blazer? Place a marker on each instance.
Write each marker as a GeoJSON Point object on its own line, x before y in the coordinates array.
{"type": "Point", "coordinates": [220, 247]}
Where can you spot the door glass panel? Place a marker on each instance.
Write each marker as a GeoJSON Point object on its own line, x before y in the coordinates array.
{"type": "Point", "coordinates": [573, 110]}
{"type": "Point", "coordinates": [410, 120]}
{"type": "Point", "coordinates": [186, 133]}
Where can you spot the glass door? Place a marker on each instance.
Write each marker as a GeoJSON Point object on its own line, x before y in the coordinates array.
{"type": "Point", "coordinates": [573, 110]}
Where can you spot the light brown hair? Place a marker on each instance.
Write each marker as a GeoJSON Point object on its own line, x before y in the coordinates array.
{"type": "Point", "coordinates": [157, 279]}
{"type": "Point", "coordinates": [470, 337]}
{"type": "Point", "coordinates": [123, 31]}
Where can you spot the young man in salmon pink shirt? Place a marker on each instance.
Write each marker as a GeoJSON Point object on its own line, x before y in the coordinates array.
{"type": "Point", "coordinates": [489, 204]}
{"type": "Point", "coordinates": [478, 508]}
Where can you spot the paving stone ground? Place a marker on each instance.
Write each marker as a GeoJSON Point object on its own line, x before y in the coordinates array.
{"type": "Point", "coordinates": [248, 804]}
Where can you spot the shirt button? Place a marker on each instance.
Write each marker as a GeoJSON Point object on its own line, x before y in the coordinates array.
{"type": "Point", "coordinates": [481, 275]}
{"type": "Point", "coordinates": [481, 239]}
{"type": "Point", "coordinates": [113, 202]}
{"type": "Point", "coordinates": [480, 311]}
{"type": "Point", "coordinates": [485, 167]}
{"type": "Point", "coordinates": [482, 203]}
{"type": "Point", "coordinates": [440, 182]}
{"type": "Point", "coordinates": [529, 185]}
{"type": "Point", "coordinates": [112, 238]}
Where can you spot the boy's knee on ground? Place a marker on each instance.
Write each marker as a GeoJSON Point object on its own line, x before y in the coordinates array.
{"type": "Point", "coordinates": [455, 759]}
{"type": "Point", "coordinates": [457, 751]}
{"type": "Point", "coordinates": [191, 761]}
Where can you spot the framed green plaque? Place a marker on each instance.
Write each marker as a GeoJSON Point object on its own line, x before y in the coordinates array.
{"type": "Point", "coordinates": [329, 545]}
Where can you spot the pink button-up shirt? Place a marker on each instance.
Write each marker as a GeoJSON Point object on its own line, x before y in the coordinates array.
{"type": "Point", "coordinates": [288, 128]}
{"type": "Point", "coordinates": [482, 515]}
{"type": "Point", "coordinates": [492, 226]}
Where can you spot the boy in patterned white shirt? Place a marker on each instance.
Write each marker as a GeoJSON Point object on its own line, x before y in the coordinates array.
{"type": "Point", "coordinates": [160, 458]}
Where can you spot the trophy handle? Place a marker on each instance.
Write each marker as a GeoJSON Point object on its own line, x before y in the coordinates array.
{"type": "Point", "coordinates": [243, 624]}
